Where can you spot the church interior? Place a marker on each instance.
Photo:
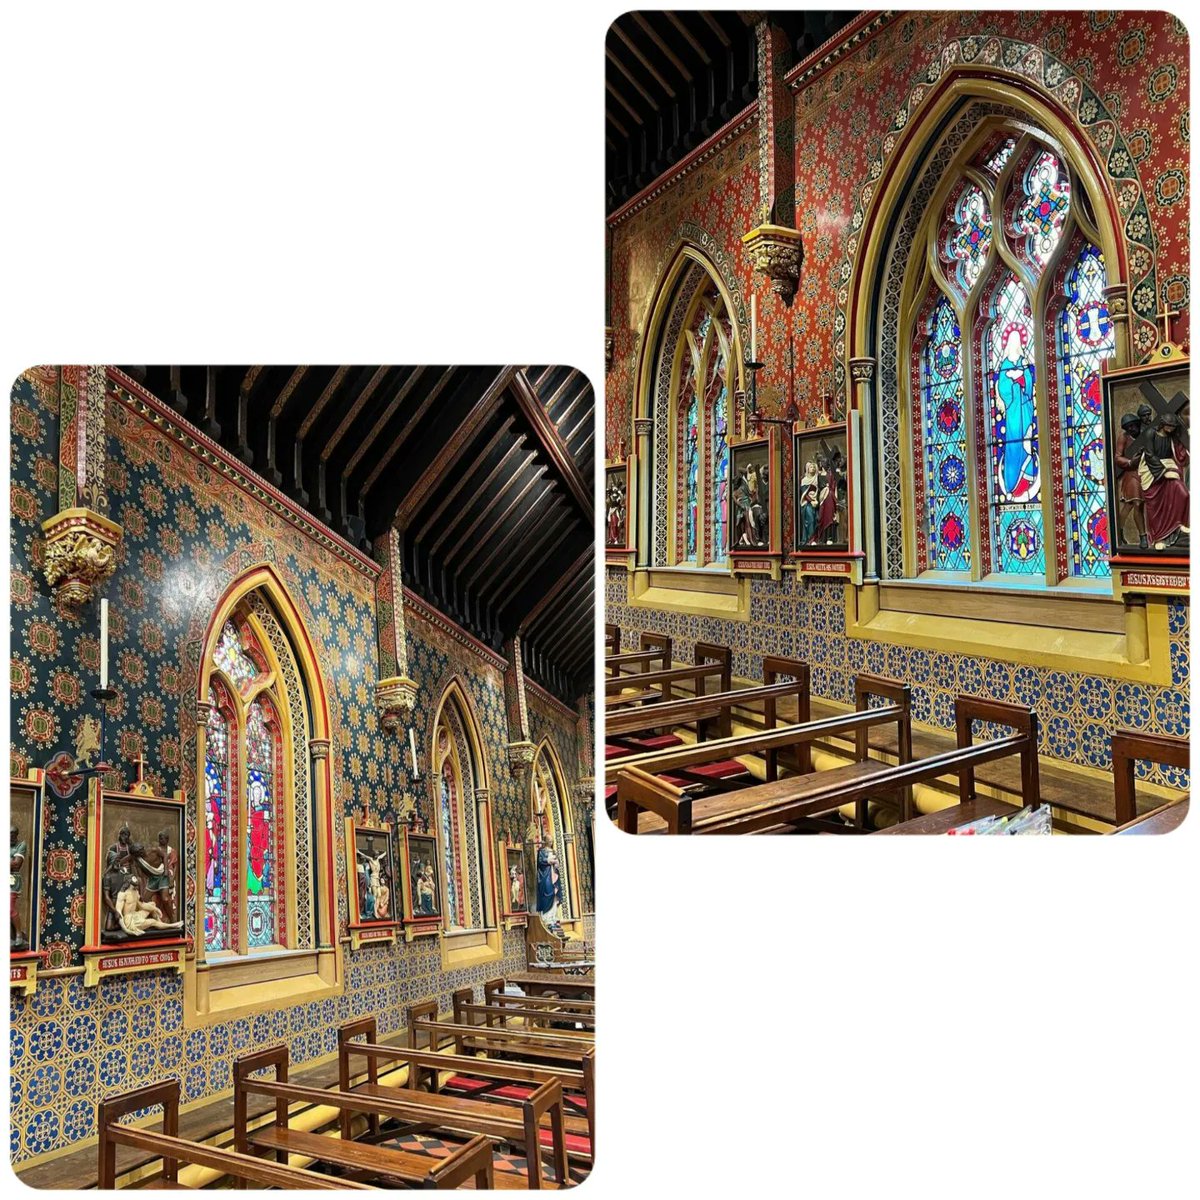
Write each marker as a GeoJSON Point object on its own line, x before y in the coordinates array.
{"type": "Point", "coordinates": [896, 497]}
{"type": "Point", "coordinates": [301, 776]}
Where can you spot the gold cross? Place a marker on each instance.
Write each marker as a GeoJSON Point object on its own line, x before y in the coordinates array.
{"type": "Point", "coordinates": [1165, 317]}
{"type": "Point", "coordinates": [140, 763]}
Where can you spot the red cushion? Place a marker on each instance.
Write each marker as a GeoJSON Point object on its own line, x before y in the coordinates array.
{"type": "Point", "coordinates": [610, 791]}
{"type": "Point", "coordinates": [510, 1091]}
{"type": "Point", "coordinates": [611, 752]}
{"type": "Point", "coordinates": [576, 1143]}
{"type": "Point", "coordinates": [718, 770]}
{"type": "Point", "coordinates": [661, 742]}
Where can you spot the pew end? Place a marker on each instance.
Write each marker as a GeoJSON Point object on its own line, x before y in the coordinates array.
{"type": "Point", "coordinates": [1129, 747]}
{"type": "Point", "coordinates": [638, 792]}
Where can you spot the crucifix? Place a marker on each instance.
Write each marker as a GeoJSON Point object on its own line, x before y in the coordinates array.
{"type": "Point", "coordinates": [1166, 316]}
{"type": "Point", "coordinates": [140, 763]}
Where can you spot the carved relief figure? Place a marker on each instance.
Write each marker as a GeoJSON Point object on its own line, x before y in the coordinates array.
{"type": "Point", "coordinates": [1160, 472]}
{"type": "Point", "coordinates": [135, 915]}
{"type": "Point", "coordinates": [161, 865]}
{"type": "Point", "coordinates": [18, 852]}
{"type": "Point", "coordinates": [1129, 484]}
{"type": "Point", "coordinates": [516, 889]}
{"type": "Point", "coordinates": [809, 502]}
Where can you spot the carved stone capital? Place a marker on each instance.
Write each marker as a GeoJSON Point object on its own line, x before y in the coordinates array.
{"type": "Point", "coordinates": [483, 795]}
{"type": "Point", "coordinates": [643, 426]}
{"type": "Point", "coordinates": [203, 710]}
{"type": "Point", "coordinates": [1116, 297]}
{"type": "Point", "coordinates": [862, 370]}
{"type": "Point", "coordinates": [394, 698]}
{"type": "Point", "coordinates": [520, 756]}
{"type": "Point", "coordinates": [81, 553]}
{"type": "Point", "coordinates": [585, 789]}
{"type": "Point", "coordinates": [318, 748]}
{"type": "Point", "coordinates": [775, 251]}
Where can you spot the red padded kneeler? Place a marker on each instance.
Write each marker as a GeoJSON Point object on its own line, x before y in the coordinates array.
{"type": "Point", "coordinates": [726, 769]}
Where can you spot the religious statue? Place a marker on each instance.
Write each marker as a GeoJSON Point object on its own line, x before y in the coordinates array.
{"type": "Point", "coordinates": [549, 888]}
{"type": "Point", "coordinates": [383, 897]}
{"type": "Point", "coordinates": [750, 521]}
{"type": "Point", "coordinates": [827, 514]}
{"type": "Point", "coordinates": [121, 852]}
{"type": "Point", "coordinates": [134, 915]}
{"type": "Point", "coordinates": [161, 865]}
{"type": "Point", "coordinates": [18, 852]}
{"type": "Point", "coordinates": [615, 514]}
{"type": "Point", "coordinates": [1129, 484]}
{"type": "Point", "coordinates": [370, 882]}
{"type": "Point", "coordinates": [1161, 464]}
{"type": "Point", "coordinates": [1017, 466]}
{"type": "Point", "coordinates": [809, 502]}
{"type": "Point", "coordinates": [425, 892]}
{"type": "Point", "coordinates": [516, 889]}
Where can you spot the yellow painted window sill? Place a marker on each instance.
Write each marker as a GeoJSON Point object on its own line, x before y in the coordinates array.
{"type": "Point", "coordinates": [700, 591]}
{"type": "Point", "coordinates": [1129, 644]}
{"type": "Point", "coordinates": [470, 947]}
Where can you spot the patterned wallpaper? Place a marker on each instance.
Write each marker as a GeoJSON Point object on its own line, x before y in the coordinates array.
{"type": "Point", "coordinates": [188, 529]}
{"type": "Point", "coordinates": [1135, 63]}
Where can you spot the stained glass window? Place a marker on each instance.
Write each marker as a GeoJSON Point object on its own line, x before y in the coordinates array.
{"type": "Point", "coordinates": [449, 822]}
{"type": "Point", "coordinates": [260, 826]}
{"type": "Point", "coordinates": [1042, 215]}
{"type": "Point", "coordinates": [691, 476]}
{"type": "Point", "coordinates": [945, 449]}
{"type": "Point", "coordinates": [996, 160]}
{"type": "Point", "coordinates": [232, 658]}
{"type": "Point", "coordinates": [1015, 467]}
{"type": "Point", "coordinates": [1085, 341]}
{"type": "Point", "coordinates": [217, 816]}
{"type": "Point", "coordinates": [718, 395]}
{"type": "Point", "coordinates": [969, 236]}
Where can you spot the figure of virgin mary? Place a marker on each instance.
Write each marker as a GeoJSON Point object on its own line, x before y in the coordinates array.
{"type": "Point", "coordinates": [1017, 465]}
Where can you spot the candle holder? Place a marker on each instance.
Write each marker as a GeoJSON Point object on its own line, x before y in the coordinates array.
{"type": "Point", "coordinates": [754, 368]}
{"type": "Point", "coordinates": [105, 695]}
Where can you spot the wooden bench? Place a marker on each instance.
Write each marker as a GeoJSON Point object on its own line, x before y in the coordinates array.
{"type": "Point", "coordinates": [502, 1080]}
{"type": "Point", "coordinates": [532, 1017]}
{"type": "Point", "coordinates": [542, 1046]}
{"type": "Point", "coordinates": [1128, 749]}
{"type": "Point", "coordinates": [483, 1121]}
{"type": "Point", "coordinates": [650, 785]}
{"type": "Point", "coordinates": [612, 639]}
{"type": "Point", "coordinates": [494, 994]}
{"type": "Point", "coordinates": [783, 803]}
{"type": "Point", "coordinates": [711, 662]}
{"type": "Point", "coordinates": [472, 1161]}
{"type": "Point", "coordinates": [550, 981]}
{"type": "Point", "coordinates": [621, 728]}
{"type": "Point", "coordinates": [175, 1150]}
{"type": "Point", "coordinates": [654, 648]}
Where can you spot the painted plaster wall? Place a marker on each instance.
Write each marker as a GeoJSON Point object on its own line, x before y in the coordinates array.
{"type": "Point", "coordinates": [187, 531]}
{"type": "Point", "coordinates": [1132, 71]}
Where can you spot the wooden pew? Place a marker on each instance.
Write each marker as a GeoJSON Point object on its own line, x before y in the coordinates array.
{"type": "Point", "coordinates": [612, 639]}
{"type": "Point", "coordinates": [494, 994]}
{"type": "Point", "coordinates": [802, 798]}
{"type": "Point", "coordinates": [718, 706]}
{"type": "Point", "coordinates": [556, 1047]}
{"type": "Point", "coordinates": [502, 1080]}
{"type": "Point", "coordinates": [655, 648]}
{"type": "Point", "coordinates": [472, 1161]}
{"type": "Point", "coordinates": [546, 982]}
{"type": "Point", "coordinates": [240, 1166]}
{"type": "Point", "coordinates": [653, 686]}
{"type": "Point", "coordinates": [532, 1017]}
{"type": "Point", "coordinates": [638, 777]}
{"type": "Point", "coordinates": [1129, 747]}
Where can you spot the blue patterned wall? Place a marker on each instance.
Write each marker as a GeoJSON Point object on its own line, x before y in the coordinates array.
{"type": "Point", "coordinates": [804, 617]}
{"type": "Point", "coordinates": [187, 528]}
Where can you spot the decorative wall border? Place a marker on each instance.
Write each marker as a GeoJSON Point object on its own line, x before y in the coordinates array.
{"type": "Point", "coordinates": [453, 630]}
{"type": "Point", "coordinates": [200, 446]}
{"type": "Point", "coordinates": [835, 49]}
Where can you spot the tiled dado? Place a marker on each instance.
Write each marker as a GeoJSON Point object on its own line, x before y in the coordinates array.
{"type": "Point", "coordinates": [71, 1046]}
{"type": "Point", "coordinates": [805, 618]}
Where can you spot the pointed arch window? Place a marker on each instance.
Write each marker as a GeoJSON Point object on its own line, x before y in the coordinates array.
{"type": "Point", "coordinates": [246, 793]}
{"type": "Point", "coordinates": [702, 413]}
{"type": "Point", "coordinates": [1010, 335]}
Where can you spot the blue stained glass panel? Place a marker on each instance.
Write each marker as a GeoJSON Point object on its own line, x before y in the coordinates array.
{"type": "Point", "coordinates": [216, 829]}
{"type": "Point", "coordinates": [1014, 486]}
{"type": "Point", "coordinates": [948, 525]}
{"type": "Point", "coordinates": [969, 237]}
{"type": "Point", "coordinates": [1042, 215]}
{"type": "Point", "coordinates": [691, 477]}
{"type": "Point", "coordinates": [448, 797]}
{"type": "Point", "coordinates": [1085, 341]}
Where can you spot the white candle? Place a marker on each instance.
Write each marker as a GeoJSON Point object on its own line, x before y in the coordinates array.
{"type": "Point", "coordinates": [753, 327]}
{"type": "Point", "coordinates": [412, 747]}
{"type": "Point", "coordinates": [104, 643]}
